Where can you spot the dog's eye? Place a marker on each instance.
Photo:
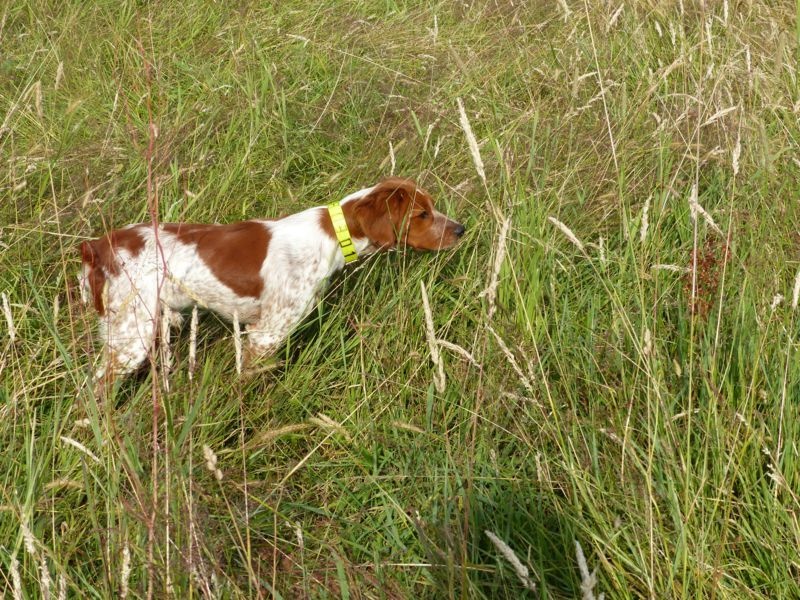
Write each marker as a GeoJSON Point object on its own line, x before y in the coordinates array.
{"type": "Point", "coordinates": [423, 214]}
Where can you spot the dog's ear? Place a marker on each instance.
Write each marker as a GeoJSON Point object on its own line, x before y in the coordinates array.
{"type": "Point", "coordinates": [88, 253]}
{"type": "Point", "coordinates": [381, 213]}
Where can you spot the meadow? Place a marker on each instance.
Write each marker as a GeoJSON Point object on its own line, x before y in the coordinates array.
{"type": "Point", "coordinates": [594, 395]}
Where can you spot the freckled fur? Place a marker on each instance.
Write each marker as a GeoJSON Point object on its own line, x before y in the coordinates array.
{"type": "Point", "coordinates": [268, 273]}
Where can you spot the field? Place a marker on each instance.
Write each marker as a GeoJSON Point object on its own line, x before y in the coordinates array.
{"type": "Point", "coordinates": [606, 398]}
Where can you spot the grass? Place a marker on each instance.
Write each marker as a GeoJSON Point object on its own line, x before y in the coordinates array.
{"type": "Point", "coordinates": [632, 387]}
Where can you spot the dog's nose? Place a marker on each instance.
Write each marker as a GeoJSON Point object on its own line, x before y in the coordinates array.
{"type": "Point", "coordinates": [459, 230]}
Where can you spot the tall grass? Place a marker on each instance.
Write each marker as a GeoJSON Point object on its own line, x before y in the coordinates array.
{"type": "Point", "coordinates": [606, 379]}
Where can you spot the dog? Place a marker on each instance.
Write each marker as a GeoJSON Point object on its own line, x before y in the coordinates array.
{"type": "Point", "coordinates": [265, 274]}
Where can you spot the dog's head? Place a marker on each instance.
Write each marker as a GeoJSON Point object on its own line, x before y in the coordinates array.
{"type": "Point", "coordinates": [397, 212]}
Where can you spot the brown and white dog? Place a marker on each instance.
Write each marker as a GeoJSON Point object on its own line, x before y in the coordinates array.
{"type": "Point", "coordinates": [266, 273]}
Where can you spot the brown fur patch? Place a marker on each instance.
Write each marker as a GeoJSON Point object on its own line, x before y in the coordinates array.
{"type": "Point", "coordinates": [326, 224]}
{"type": "Point", "coordinates": [100, 257]}
{"type": "Point", "coordinates": [234, 252]}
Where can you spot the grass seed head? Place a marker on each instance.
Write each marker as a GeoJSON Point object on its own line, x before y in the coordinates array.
{"type": "Point", "coordinates": [645, 220]}
{"type": "Point", "coordinates": [588, 580]}
{"type": "Point", "coordinates": [568, 232]}
{"type": "Point", "coordinates": [499, 255]}
{"type": "Point", "coordinates": [44, 578]}
{"type": "Point", "coordinates": [193, 343]}
{"type": "Point", "coordinates": [16, 580]}
{"type": "Point", "coordinates": [125, 572]}
{"type": "Point", "coordinates": [211, 462]}
{"type": "Point", "coordinates": [520, 569]}
{"type": "Point", "coordinates": [12, 331]}
{"type": "Point", "coordinates": [237, 342]}
{"type": "Point", "coordinates": [28, 539]}
{"type": "Point", "coordinates": [471, 141]}
{"type": "Point", "coordinates": [796, 290]}
{"type": "Point", "coordinates": [62, 587]}
{"type": "Point", "coordinates": [696, 209]}
{"type": "Point", "coordinates": [439, 379]}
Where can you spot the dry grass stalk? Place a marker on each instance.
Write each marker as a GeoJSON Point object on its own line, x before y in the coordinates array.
{"type": "Point", "coordinates": [392, 160]}
{"type": "Point", "coordinates": [193, 343]}
{"type": "Point", "coordinates": [12, 331]}
{"type": "Point", "coordinates": [499, 255]}
{"type": "Point", "coordinates": [568, 232]}
{"type": "Point", "coordinates": [796, 290]}
{"type": "Point", "coordinates": [526, 382]}
{"type": "Point", "coordinates": [697, 209]}
{"type": "Point", "coordinates": [166, 351]}
{"type": "Point", "coordinates": [613, 20]}
{"type": "Point", "coordinates": [520, 569]}
{"type": "Point", "coordinates": [776, 300]}
{"type": "Point", "coordinates": [718, 115]}
{"type": "Point", "coordinates": [471, 141]}
{"type": "Point", "coordinates": [200, 576]}
{"type": "Point", "coordinates": [439, 379]}
{"type": "Point", "coordinates": [237, 342]}
{"type": "Point", "coordinates": [565, 8]}
{"type": "Point", "coordinates": [588, 580]}
{"type": "Point", "coordinates": [664, 74]}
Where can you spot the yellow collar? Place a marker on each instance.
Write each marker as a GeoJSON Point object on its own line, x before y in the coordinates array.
{"type": "Point", "coordinates": [342, 232]}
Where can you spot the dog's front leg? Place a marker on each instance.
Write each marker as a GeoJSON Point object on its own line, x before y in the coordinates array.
{"type": "Point", "coordinates": [278, 318]}
{"type": "Point", "coordinates": [266, 336]}
{"type": "Point", "coordinates": [262, 342]}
